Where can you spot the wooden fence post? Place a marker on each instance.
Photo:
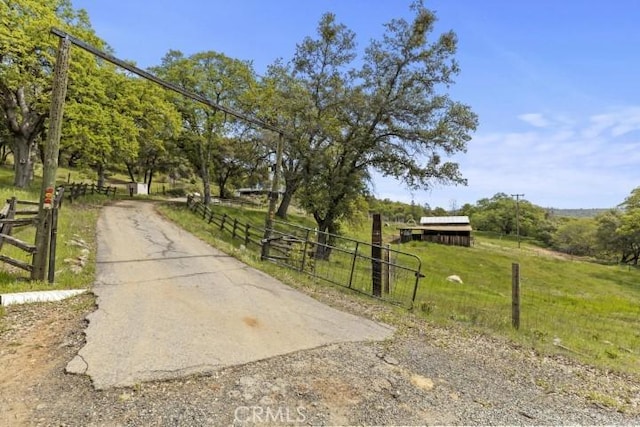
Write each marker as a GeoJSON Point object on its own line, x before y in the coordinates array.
{"type": "Point", "coordinates": [246, 235]}
{"type": "Point", "coordinates": [50, 161]}
{"type": "Point", "coordinates": [11, 212]}
{"type": "Point", "coordinates": [515, 295]}
{"type": "Point", "coordinates": [235, 226]}
{"type": "Point", "coordinates": [353, 264]}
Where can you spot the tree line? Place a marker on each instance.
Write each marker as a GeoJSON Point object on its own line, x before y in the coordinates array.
{"type": "Point", "coordinates": [611, 235]}
{"type": "Point", "coordinates": [343, 113]}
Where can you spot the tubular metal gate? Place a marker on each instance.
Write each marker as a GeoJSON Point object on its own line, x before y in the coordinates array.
{"type": "Point", "coordinates": [338, 260]}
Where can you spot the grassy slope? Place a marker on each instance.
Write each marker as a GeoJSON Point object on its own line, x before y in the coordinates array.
{"type": "Point", "coordinates": [584, 310]}
{"type": "Point", "coordinates": [76, 223]}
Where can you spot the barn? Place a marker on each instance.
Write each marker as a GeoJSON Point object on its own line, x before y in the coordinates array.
{"type": "Point", "coordinates": [447, 230]}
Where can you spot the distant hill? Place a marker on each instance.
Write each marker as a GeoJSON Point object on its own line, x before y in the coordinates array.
{"type": "Point", "coordinates": [577, 213]}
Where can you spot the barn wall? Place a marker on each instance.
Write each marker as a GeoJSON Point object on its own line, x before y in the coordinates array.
{"type": "Point", "coordinates": [448, 239]}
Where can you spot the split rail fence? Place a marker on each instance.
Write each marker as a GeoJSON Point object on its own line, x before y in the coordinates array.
{"type": "Point", "coordinates": [24, 213]}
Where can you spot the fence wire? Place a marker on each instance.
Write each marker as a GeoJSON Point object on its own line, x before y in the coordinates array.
{"type": "Point", "coordinates": [336, 259]}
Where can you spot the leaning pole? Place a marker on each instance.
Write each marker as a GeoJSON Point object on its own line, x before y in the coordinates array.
{"type": "Point", "coordinates": [51, 152]}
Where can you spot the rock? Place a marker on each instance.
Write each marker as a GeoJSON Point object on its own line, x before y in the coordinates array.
{"type": "Point", "coordinates": [421, 382]}
{"type": "Point", "coordinates": [455, 279]}
{"type": "Point", "coordinates": [234, 394]}
{"type": "Point", "coordinates": [391, 360]}
{"type": "Point", "coordinates": [78, 242]}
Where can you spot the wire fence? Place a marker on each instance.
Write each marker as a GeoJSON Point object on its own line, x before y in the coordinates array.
{"type": "Point", "coordinates": [393, 277]}
{"type": "Point", "coordinates": [561, 306]}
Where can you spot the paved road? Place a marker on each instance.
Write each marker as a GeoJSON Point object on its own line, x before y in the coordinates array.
{"type": "Point", "coordinates": [169, 305]}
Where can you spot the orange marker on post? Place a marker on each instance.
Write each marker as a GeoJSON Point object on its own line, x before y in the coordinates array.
{"type": "Point", "coordinates": [48, 198]}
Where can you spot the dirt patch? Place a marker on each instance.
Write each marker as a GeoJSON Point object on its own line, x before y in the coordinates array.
{"type": "Point", "coordinates": [34, 341]}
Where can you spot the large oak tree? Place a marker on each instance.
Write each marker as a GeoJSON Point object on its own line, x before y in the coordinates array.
{"type": "Point", "coordinates": [389, 112]}
{"type": "Point", "coordinates": [27, 54]}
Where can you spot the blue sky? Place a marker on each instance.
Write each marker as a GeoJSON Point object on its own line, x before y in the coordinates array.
{"type": "Point", "coordinates": [556, 84]}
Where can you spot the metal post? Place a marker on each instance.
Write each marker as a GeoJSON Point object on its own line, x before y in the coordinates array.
{"type": "Point", "coordinates": [376, 255]}
{"type": "Point", "coordinates": [304, 250]}
{"type": "Point", "coordinates": [51, 152]}
{"type": "Point", "coordinates": [273, 200]}
{"type": "Point", "coordinates": [353, 264]}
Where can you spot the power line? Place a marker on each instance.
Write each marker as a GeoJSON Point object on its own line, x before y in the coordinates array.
{"type": "Point", "coordinates": [517, 196]}
{"type": "Point", "coordinates": [167, 85]}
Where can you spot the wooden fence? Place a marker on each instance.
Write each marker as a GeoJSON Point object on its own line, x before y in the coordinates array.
{"type": "Point", "coordinates": [17, 213]}
{"type": "Point", "coordinates": [23, 213]}
{"type": "Point", "coordinates": [75, 190]}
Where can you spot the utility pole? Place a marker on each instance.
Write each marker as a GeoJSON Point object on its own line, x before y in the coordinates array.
{"type": "Point", "coordinates": [273, 199]}
{"type": "Point", "coordinates": [517, 196]}
{"type": "Point", "coordinates": [50, 164]}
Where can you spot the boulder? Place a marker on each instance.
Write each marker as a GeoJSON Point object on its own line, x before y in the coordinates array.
{"type": "Point", "coordinates": [455, 279]}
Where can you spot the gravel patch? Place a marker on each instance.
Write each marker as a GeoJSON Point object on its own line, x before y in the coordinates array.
{"type": "Point", "coordinates": [423, 375]}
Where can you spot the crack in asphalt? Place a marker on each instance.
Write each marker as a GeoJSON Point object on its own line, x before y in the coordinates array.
{"type": "Point", "coordinates": [167, 246]}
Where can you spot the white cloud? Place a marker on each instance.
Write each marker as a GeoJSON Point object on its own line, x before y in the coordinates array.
{"type": "Point", "coordinates": [617, 122]}
{"type": "Point", "coordinates": [534, 119]}
{"type": "Point", "coordinates": [575, 162]}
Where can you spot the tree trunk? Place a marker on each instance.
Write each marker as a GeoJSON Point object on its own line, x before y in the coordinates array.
{"type": "Point", "coordinates": [130, 172]}
{"type": "Point", "coordinates": [287, 197]}
{"type": "Point", "coordinates": [222, 187]}
{"type": "Point", "coordinates": [206, 184]}
{"type": "Point", "coordinates": [4, 153]}
{"type": "Point", "coordinates": [325, 239]}
{"type": "Point", "coordinates": [150, 180]}
{"type": "Point", "coordinates": [23, 162]}
{"type": "Point", "coordinates": [101, 177]}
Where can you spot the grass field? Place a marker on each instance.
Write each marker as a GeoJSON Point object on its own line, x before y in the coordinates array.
{"type": "Point", "coordinates": [583, 310]}
{"type": "Point", "coordinates": [76, 231]}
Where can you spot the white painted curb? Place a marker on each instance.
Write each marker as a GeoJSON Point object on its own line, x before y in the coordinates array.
{"type": "Point", "coordinates": [38, 296]}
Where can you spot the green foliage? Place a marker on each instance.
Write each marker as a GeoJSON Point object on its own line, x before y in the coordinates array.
{"type": "Point", "coordinates": [218, 147]}
{"type": "Point", "coordinates": [27, 56]}
{"type": "Point", "coordinates": [498, 214]}
{"type": "Point", "coordinates": [627, 232]}
{"type": "Point", "coordinates": [399, 212]}
{"type": "Point", "coordinates": [576, 237]}
{"type": "Point", "coordinates": [389, 112]}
